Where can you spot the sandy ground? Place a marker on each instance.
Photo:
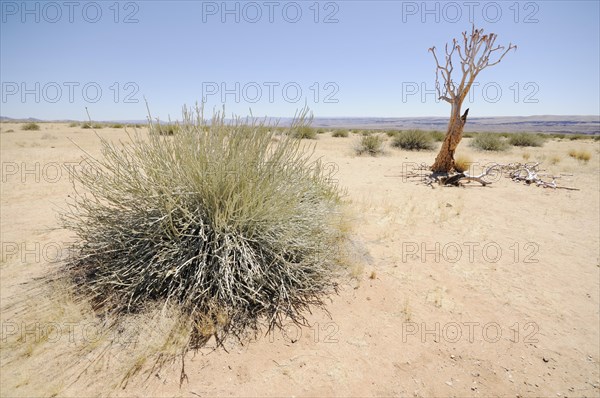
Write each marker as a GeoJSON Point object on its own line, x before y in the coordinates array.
{"type": "Point", "coordinates": [460, 292]}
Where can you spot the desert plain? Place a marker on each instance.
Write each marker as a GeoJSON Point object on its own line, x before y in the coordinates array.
{"type": "Point", "coordinates": [451, 291]}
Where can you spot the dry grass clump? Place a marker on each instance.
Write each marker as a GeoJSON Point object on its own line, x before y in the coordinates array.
{"type": "Point", "coordinates": [582, 156]}
{"type": "Point", "coordinates": [235, 230]}
{"type": "Point", "coordinates": [555, 159]}
{"type": "Point", "coordinates": [371, 144]}
{"type": "Point", "coordinates": [413, 140]}
{"type": "Point", "coordinates": [462, 163]}
{"type": "Point", "coordinates": [340, 133]}
{"type": "Point", "coordinates": [524, 139]}
{"type": "Point", "coordinates": [30, 127]}
{"type": "Point", "coordinates": [489, 142]}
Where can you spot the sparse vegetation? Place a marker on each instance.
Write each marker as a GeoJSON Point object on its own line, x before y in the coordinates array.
{"type": "Point", "coordinates": [304, 132]}
{"type": "Point", "coordinates": [413, 140]}
{"type": "Point", "coordinates": [73, 124]}
{"type": "Point", "coordinates": [437, 136]}
{"type": "Point", "coordinates": [525, 139]}
{"type": "Point", "coordinates": [489, 142]}
{"type": "Point", "coordinates": [86, 125]}
{"type": "Point", "coordinates": [233, 230]}
{"type": "Point", "coordinates": [116, 126]}
{"type": "Point", "coordinates": [576, 137]}
{"type": "Point", "coordinates": [392, 133]}
{"type": "Point", "coordinates": [526, 156]}
{"type": "Point", "coordinates": [340, 133]}
{"type": "Point", "coordinates": [165, 129]}
{"type": "Point", "coordinates": [462, 163]}
{"type": "Point", "coordinates": [582, 156]}
{"type": "Point", "coordinates": [30, 127]}
{"type": "Point", "coordinates": [555, 159]}
{"type": "Point", "coordinates": [370, 144]}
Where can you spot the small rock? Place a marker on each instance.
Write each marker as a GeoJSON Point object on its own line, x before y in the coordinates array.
{"type": "Point", "coordinates": [449, 383]}
{"type": "Point", "coordinates": [545, 359]}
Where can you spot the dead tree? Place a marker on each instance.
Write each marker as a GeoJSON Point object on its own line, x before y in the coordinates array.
{"type": "Point", "coordinates": [475, 52]}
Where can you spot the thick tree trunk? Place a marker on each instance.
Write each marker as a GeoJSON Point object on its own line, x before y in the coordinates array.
{"type": "Point", "coordinates": [444, 162]}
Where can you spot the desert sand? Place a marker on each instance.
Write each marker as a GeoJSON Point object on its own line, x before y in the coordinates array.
{"type": "Point", "coordinates": [475, 291]}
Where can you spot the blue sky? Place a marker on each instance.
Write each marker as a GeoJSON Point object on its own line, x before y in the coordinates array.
{"type": "Point", "coordinates": [341, 58]}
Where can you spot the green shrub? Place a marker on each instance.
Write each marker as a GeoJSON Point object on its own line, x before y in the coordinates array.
{"type": "Point", "coordinates": [413, 140]}
{"type": "Point", "coordinates": [525, 139]}
{"type": "Point", "coordinates": [165, 129]}
{"type": "Point", "coordinates": [574, 137]}
{"type": "Point", "coordinates": [371, 144]}
{"type": "Point", "coordinates": [392, 133]}
{"type": "Point", "coordinates": [86, 125]}
{"type": "Point", "coordinates": [597, 138]}
{"type": "Point", "coordinates": [30, 126]}
{"type": "Point", "coordinates": [304, 132]}
{"type": "Point", "coordinates": [471, 134]}
{"type": "Point", "coordinates": [437, 136]}
{"type": "Point", "coordinates": [340, 133]}
{"type": "Point", "coordinates": [116, 126]}
{"type": "Point", "coordinates": [489, 142]}
{"type": "Point", "coordinates": [234, 228]}
{"type": "Point", "coordinates": [97, 126]}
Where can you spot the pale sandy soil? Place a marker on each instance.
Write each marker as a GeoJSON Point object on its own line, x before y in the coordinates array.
{"type": "Point", "coordinates": [516, 313]}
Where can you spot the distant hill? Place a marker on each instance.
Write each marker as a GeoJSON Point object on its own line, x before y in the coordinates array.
{"type": "Point", "coordinates": [543, 124]}
{"type": "Point", "coordinates": [539, 124]}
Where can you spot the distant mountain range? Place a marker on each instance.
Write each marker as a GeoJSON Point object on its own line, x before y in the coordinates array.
{"type": "Point", "coordinates": [542, 123]}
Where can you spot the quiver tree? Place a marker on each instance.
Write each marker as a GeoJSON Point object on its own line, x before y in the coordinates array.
{"type": "Point", "coordinates": [475, 55]}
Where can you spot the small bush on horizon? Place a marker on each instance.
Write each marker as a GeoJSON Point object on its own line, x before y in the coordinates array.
{"type": "Point", "coordinates": [525, 139]}
{"type": "Point", "coordinates": [413, 140]}
{"type": "Point", "coordinates": [437, 135]}
{"type": "Point", "coordinates": [370, 144]}
{"type": "Point", "coordinates": [489, 142]}
{"type": "Point", "coordinates": [340, 133]}
{"type": "Point", "coordinates": [30, 126]}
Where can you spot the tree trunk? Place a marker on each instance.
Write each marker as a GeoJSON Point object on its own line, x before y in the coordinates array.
{"type": "Point", "coordinates": [444, 162]}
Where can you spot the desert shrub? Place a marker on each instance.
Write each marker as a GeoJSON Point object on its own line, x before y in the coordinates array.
{"type": "Point", "coordinates": [526, 156]}
{"type": "Point", "coordinates": [371, 144]}
{"type": "Point", "coordinates": [303, 131]}
{"type": "Point", "coordinates": [235, 230]}
{"type": "Point", "coordinates": [97, 126]}
{"type": "Point", "coordinates": [392, 133]}
{"type": "Point", "coordinates": [73, 124]}
{"type": "Point", "coordinates": [558, 136]}
{"type": "Point", "coordinates": [321, 131]}
{"type": "Point", "coordinates": [116, 126]}
{"type": "Point", "coordinates": [597, 138]}
{"type": "Point", "coordinates": [340, 133]}
{"type": "Point", "coordinates": [437, 136]}
{"type": "Point", "coordinates": [582, 156]}
{"type": "Point", "coordinates": [10, 131]}
{"type": "Point", "coordinates": [86, 125]}
{"type": "Point", "coordinates": [524, 139]}
{"type": "Point", "coordinates": [575, 137]}
{"type": "Point", "coordinates": [413, 140]}
{"type": "Point", "coordinates": [165, 129]}
{"type": "Point", "coordinates": [470, 134]}
{"type": "Point", "coordinates": [488, 142]}
{"type": "Point", "coordinates": [462, 163]}
{"type": "Point", "coordinates": [30, 126]}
